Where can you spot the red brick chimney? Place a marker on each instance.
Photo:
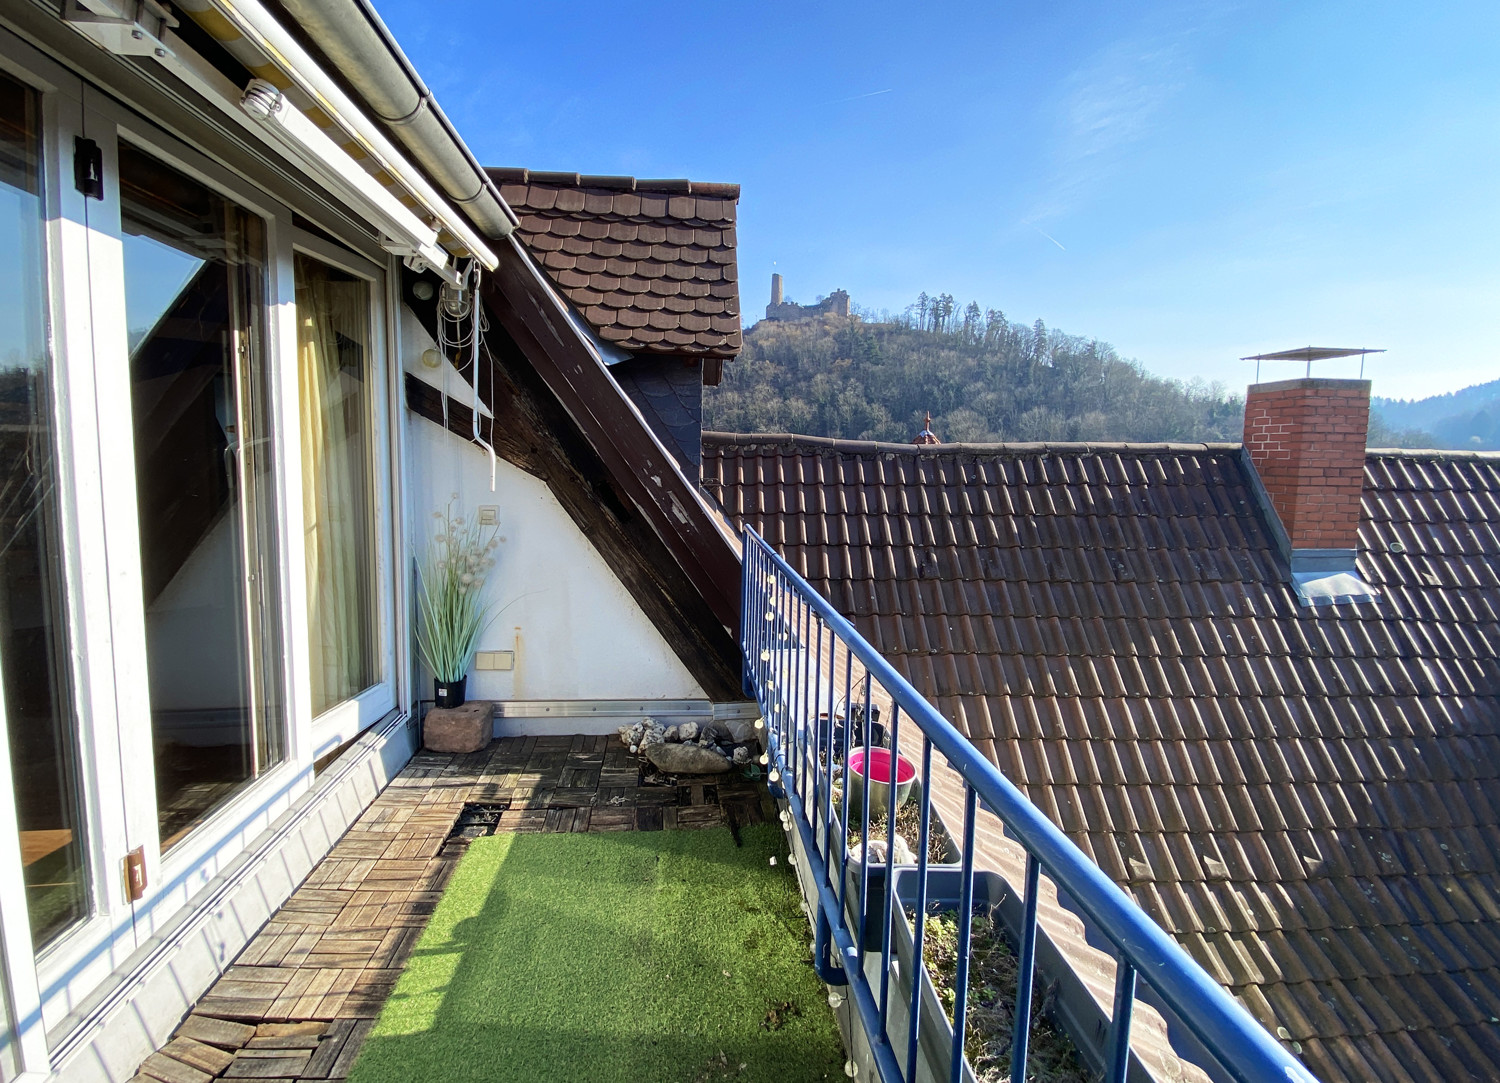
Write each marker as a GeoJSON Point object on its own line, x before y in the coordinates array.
{"type": "Point", "coordinates": [1307, 440]}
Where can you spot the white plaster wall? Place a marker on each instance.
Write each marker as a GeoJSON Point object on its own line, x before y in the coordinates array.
{"type": "Point", "coordinates": [576, 632]}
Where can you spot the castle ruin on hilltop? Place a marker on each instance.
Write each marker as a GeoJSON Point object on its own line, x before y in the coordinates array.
{"type": "Point", "coordinates": [835, 304]}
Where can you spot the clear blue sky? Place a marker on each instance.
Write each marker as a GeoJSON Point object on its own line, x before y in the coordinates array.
{"type": "Point", "coordinates": [1189, 181]}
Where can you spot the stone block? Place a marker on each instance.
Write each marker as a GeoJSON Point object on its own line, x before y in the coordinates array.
{"type": "Point", "coordinates": [459, 729]}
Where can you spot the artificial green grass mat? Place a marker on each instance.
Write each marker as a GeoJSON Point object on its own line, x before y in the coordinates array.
{"type": "Point", "coordinates": [637, 956]}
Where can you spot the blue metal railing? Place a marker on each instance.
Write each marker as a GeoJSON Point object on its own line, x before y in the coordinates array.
{"type": "Point", "coordinates": [816, 679]}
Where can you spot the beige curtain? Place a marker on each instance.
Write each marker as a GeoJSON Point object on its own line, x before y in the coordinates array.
{"type": "Point", "coordinates": [332, 373]}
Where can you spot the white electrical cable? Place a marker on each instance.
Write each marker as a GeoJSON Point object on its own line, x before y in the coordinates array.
{"type": "Point", "coordinates": [454, 304]}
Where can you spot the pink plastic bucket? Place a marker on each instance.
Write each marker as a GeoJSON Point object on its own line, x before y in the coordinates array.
{"type": "Point", "coordinates": [879, 774]}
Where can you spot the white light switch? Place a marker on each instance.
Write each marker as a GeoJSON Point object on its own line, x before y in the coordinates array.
{"type": "Point", "coordinates": [489, 514]}
{"type": "Point", "coordinates": [495, 660]}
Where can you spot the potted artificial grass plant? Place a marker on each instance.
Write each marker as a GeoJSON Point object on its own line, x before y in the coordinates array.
{"type": "Point", "coordinates": [450, 598]}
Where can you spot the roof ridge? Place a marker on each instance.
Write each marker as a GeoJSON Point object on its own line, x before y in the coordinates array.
{"type": "Point", "coordinates": [1015, 447]}
{"type": "Point", "coordinates": [1432, 453]}
{"type": "Point", "coordinates": [672, 186]}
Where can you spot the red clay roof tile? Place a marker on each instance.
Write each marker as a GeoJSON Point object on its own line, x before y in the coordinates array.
{"type": "Point", "coordinates": [654, 239]}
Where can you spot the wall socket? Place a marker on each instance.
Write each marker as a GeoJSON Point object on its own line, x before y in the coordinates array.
{"type": "Point", "coordinates": [495, 660]}
{"type": "Point", "coordinates": [489, 514]}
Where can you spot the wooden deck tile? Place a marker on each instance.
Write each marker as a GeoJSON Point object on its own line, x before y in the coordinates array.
{"type": "Point", "coordinates": [196, 1054]}
{"type": "Point", "coordinates": [219, 1032]}
{"type": "Point", "coordinates": [287, 1064]}
{"type": "Point", "coordinates": [352, 1044]}
{"type": "Point", "coordinates": [394, 947]}
{"type": "Point", "coordinates": [700, 816]}
{"type": "Point", "coordinates": [613, 819]}
{"type": "Point", "coordinates": [523, 820]}
{"type": "Point", "coordinates": [655, 795]}
{"type": "Point", "coordinates": [330, 1045]}
{"type": "Point", "coordinates": [161, 1067]}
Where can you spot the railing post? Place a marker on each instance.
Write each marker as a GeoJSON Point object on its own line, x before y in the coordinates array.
{"type": "Point", "coordinates": [1119, 1028]}
{"type": "Point", "coordinates": [748, 555]}
{"type": "Point", "coordinates": [919, 925]}
{"type": "Point", "coordinates": [965, 938]}
{"type": "Point", "coordinates": [1027, 969]}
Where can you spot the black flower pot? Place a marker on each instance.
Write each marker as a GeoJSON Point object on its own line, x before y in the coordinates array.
{"type": "Point", "coordinates": [450, 693]}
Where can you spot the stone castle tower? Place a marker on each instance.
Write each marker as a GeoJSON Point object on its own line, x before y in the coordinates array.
{"type": "Point", "coordinates": [835, 304]}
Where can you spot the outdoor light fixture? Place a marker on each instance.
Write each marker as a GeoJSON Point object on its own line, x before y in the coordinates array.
{"type": "Point", "coordinates": [405, 234]}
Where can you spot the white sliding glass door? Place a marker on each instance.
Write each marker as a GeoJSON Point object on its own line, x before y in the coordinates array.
{"type": "Point", "coordinates": [195, 286]}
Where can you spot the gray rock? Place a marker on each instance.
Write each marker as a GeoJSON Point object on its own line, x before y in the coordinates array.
{"type": "Point", "coordinates": [741, 729]}
{"type": "Point", "coordinates": [741, 756]}
{"type": "Point", "coordinates": [715, 733]}
{"type": "Point", "coordinates": [687, 731]}
{"type": "Point", "coordinates": [678, 759]}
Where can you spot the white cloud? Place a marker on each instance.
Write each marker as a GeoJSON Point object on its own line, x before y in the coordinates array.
{"type": "Point", "coordinates": [1115, 99]}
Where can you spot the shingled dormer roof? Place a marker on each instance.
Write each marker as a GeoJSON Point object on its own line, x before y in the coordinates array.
{"type": "Point", "coordinates": [650, 264]}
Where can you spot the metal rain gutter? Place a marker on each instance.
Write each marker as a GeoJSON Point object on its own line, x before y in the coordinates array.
{"type": "Point", "coordinates": [365, 53]}
{"type": "Point", "coordinates": [249, 31]}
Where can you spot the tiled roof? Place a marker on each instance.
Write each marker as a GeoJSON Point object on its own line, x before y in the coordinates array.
{"type": "Point", "coordinates": [1309, 799]}
{"type": "Point", "coordinates": [648, 263]}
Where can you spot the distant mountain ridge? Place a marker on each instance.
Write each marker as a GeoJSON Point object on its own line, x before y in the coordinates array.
{"type": "Point", "coordinates": [1464, 420]}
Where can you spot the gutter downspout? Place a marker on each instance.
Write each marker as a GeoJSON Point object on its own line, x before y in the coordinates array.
{"type": "Point", "coordinates": [364, 52]}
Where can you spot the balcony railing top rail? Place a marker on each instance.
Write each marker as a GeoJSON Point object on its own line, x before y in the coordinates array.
{"type": "Point", "coordinates": [798, 652]}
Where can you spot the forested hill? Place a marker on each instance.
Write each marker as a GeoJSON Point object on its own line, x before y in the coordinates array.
{"type": "Point", "coordinates": [1468, 420]}
{"type": "Point", "coordinates": [982, 377]}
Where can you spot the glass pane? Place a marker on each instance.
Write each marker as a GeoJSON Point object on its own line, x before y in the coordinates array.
{"type": "Point", "coordinates": [333, 373]}
{"type": "Point", "coordinates": [194, 273]}
{"type": "Point", "coordinates": [33, 634]}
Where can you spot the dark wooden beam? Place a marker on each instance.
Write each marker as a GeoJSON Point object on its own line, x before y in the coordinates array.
{"type": "Point", "coordinates": [426, 400]}
{"type": "Point", "coordinates": [639, 468]}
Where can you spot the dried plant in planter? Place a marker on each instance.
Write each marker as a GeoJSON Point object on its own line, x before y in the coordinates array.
{"type": "Point", "coordinates": [908, 828]}
{"type": "Point", "coordinates": [993, 974]}
{"type": "Point", "coordinates": [450, 594]}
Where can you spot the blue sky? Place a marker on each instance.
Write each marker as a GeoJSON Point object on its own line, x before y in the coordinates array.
{"type": "Point", "coordinates": [1191, 181]}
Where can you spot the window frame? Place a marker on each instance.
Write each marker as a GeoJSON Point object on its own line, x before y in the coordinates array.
{"type": "Point", "coordinates": [70, 338]}
{"type": "Point", "coordinates": [346, 720]}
